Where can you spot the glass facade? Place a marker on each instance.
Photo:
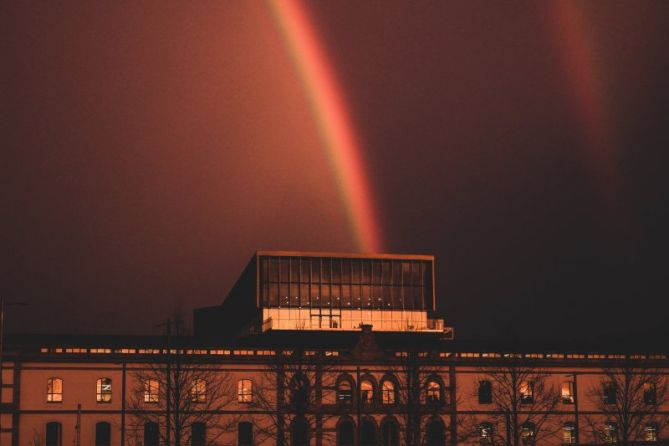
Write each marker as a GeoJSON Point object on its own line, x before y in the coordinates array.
{"type": "Point", "coordinates": [345, 283]}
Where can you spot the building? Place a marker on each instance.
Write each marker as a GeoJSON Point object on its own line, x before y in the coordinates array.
{"type": "Point", "coordinates": [319, 349]}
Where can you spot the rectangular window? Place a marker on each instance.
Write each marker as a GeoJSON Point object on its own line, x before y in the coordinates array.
{"type": "Point", "coordinates": [610, 432]}
{"type": "Point", "coordinates": [198, 392]}
{"type": "Point", "coordinates": [526, 392]}
{"type": "Point", "coordinates": [609, 393]}
{"type": "Point", "coordinates": [650, 432]}
{"type": "Point", "coordinates": [567, 392]}
{"type": "Point", "coordinates": [151, 389]}
{"type": "Point", "coordinates": [485, 392]}
{"type": "Point", "coordinates": [245, 391]}
{"type": "Point", "coordinates": [103, 390]}
{"type": "Point", "coordinates": [569, 433]}
{"type": "Point", "coordinates": [54, 390]}
{"type": "Point", "coordinates": [649, 394]}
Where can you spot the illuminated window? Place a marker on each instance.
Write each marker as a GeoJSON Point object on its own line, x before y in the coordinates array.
{"type": "Point", "coordinates": [198, 391]}
{"type": "Point", "coordinates": [526, 392]}
{"type": "Point", "coordinates": [610, 432]}
{"type": "Point", "coordinates": [388, 392]}
{"type": "Point", "coordinates": [485, 392]}
{"type": "Point", "coordinates": [54, 434]}
{"type": "Point", "coordinates": [528, 432]}
{"type": "Point", "coordinates": [366, 391]}
{"type": "Point", "coordinates": [650, 432]}
{"type": "Point", "coordinates": [54, 390]}
{"type": "Point", "coordinates": [151, 390]}
{"type": "Point", "coordinates": [344, 392]}
{"type": "Point", "coordinates": [103, 390]}
{"type": "Point", "coordinates": [567, 392]}
{"type": "Point", "coordinates": [569, 433]}
{"type": "Point", "coordinates": [433, 392]}
{"type": "Point", "coordinates": [609, 392]}
{"type": "Point", "coordinates": [649, 394]}
{"type": "Point", "coordinates": [485, 433]}
{"type": "Point", "coordinates": [102, 434]}
{"type": "Point", "coordinates": [245, 391]}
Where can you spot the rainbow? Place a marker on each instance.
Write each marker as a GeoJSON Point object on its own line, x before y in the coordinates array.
{"type": "Point", "coordinates": [580, 65]}
{"type": "Point", "coordinates": [334, 125]}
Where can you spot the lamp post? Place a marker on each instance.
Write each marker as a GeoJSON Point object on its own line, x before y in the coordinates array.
{"type": "Point", "coordinates": [2, 344]}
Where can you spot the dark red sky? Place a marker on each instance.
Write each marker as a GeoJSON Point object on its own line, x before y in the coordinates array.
{"type": "Point", "coordinates": [150, 148]}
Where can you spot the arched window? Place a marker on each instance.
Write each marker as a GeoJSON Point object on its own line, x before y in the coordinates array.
{"type": "Point", "coordinates": [528, 433]}
{"type": "Point", "coordinates": [486, 433]}
{"type": "Point", "coordinates": [367, 432]}
{"type": "Point", "coordinates": [299, 432]}
{"type": "Point", "coordinates": [388, 391]}
{"type": "Point", "coordinates": [54, 434]}
{"type": "Point", "coordinates": [433, 391]}
{"type": "Point", "coordinates": [390, 432]}
{"type": "Point", "coordinates": [366, 391]}
{"type": "Point", "coordinates": [299, 389]}
{"type": "Point", "coordinates": [198, 434]}
{"type": "Point", "coordinates": [54, 390]}
{"type": "Point", "coordinates": [151, 434]}
{"type": "Point", "coordinates": [344, 390]}
{"type": "Point", "coordinates": [198, 391]}
{"type": "Point", "coordinates": [103, 434]}
{"type": "Point", "coordinates": [245, 391]}
{"type": "Point", "coordinates": [345, 433]}
{"type": "Point", "coordinates": [103, 390]}
{"type": "Point", "coordinates": [244, 434]}
{"type": "Point", "coordinates": [434, 435]}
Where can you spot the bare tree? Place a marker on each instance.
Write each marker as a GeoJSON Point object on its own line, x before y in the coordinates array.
{"type": "Point", "coordinates": [289, 397]}
{"type": "Point", "coordinates": [181, 395]}
{"type": "Point", "coordinates": [629, 399]}
{"type": "Point", "coordinates": [522, 406]}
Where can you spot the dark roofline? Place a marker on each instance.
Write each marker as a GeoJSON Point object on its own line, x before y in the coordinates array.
{"type": "Point", "coordinates": [345, 255]}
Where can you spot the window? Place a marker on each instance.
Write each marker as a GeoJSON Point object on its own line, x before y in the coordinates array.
{"type": "Point", "coordinates": [390, 432]}
{"type": "Point", "coordinates": [54, 390]}
{"type": "Point", "coordinates": [435, 433]}
{"type": "Point", "coordinates": [198, 434]}
{"type": "Point", "coordinates": [198, 391]}
{"type": "Point", "coordinates": [151, 390]}
{"type": "Point", "coordinates": [387, 392]}
{"type": "Point", "coordinates": [54, 434]}
{"type": "Point", "coordinates": [433, 392]}
{"type": "Point", "coordinates": [344, 391]}
{"type": "Point", "coordinates": [528, 432]}
{"type": "Point", "coordinates": [609, 392]}
{"type": "Point", "coordinates": [245, 391]}
{"type": "Point", "coordinates": [526, 392]}
{"type": "Point", "coordinates": [650, 432]}
{"type": "Point", "coordinates": [649, 393]}
{"type": "Point", "coordinates": [299, 432]}
{"type": "Point", "coordinates": [569, 433]}
{"type": "Point", "coordinates": [485, 392]}
{"type": "Point", "coordinates": [103, 434]}
{"type": "Point", "coordinates": [367, 433]}
{"type": "Point", "coordinates": [103, 390]}
{"type": "Point", "coordinates": [567, 392]}
{"type": "Point", "coordinates": [151, 434]}
{"type": "Point", "coordinates": [485, 433]}
{"type": "Point", "coordinates": [610, 432]}
{"type": "Point", "coordinates": [299, 389]}
{"type": "Point", "coordinates": [366, 391]}
{"type": "Point", "coordinates": [244, 434]}
{"type": "Point", "coordinates": [345, 433]}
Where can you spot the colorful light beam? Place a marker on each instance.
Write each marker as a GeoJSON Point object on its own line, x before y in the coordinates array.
{"type": "Point", "coordinates": [336, 130]}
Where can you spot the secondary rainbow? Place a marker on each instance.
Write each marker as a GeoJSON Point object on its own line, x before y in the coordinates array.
{"type": "Point", "coordinates": [332, 118]}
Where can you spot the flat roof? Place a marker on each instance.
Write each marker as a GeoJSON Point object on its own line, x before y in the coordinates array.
{"type": "Point", "coordinates": [345, 255]}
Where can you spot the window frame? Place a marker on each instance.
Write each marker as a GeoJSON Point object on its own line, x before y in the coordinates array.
{"type": "Point", "coordinates": [567, 398]}
{"type": "Point", "coordinates": [51, 395]}
{"type": "Point", "coordinates": [245, 393]}
{"type": "Point", "coordinates": [151, 397]}
{"type": "Point", "coordinates": [198, 391]}
{"type": "Point", "coordinates": [350, 392]}
{"type": "Point", "coordinates": [484, 383]}
{"type": "Point", "coordinates": [526, 392]}
{"type": "Point", "coordinates": [100, 393]}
